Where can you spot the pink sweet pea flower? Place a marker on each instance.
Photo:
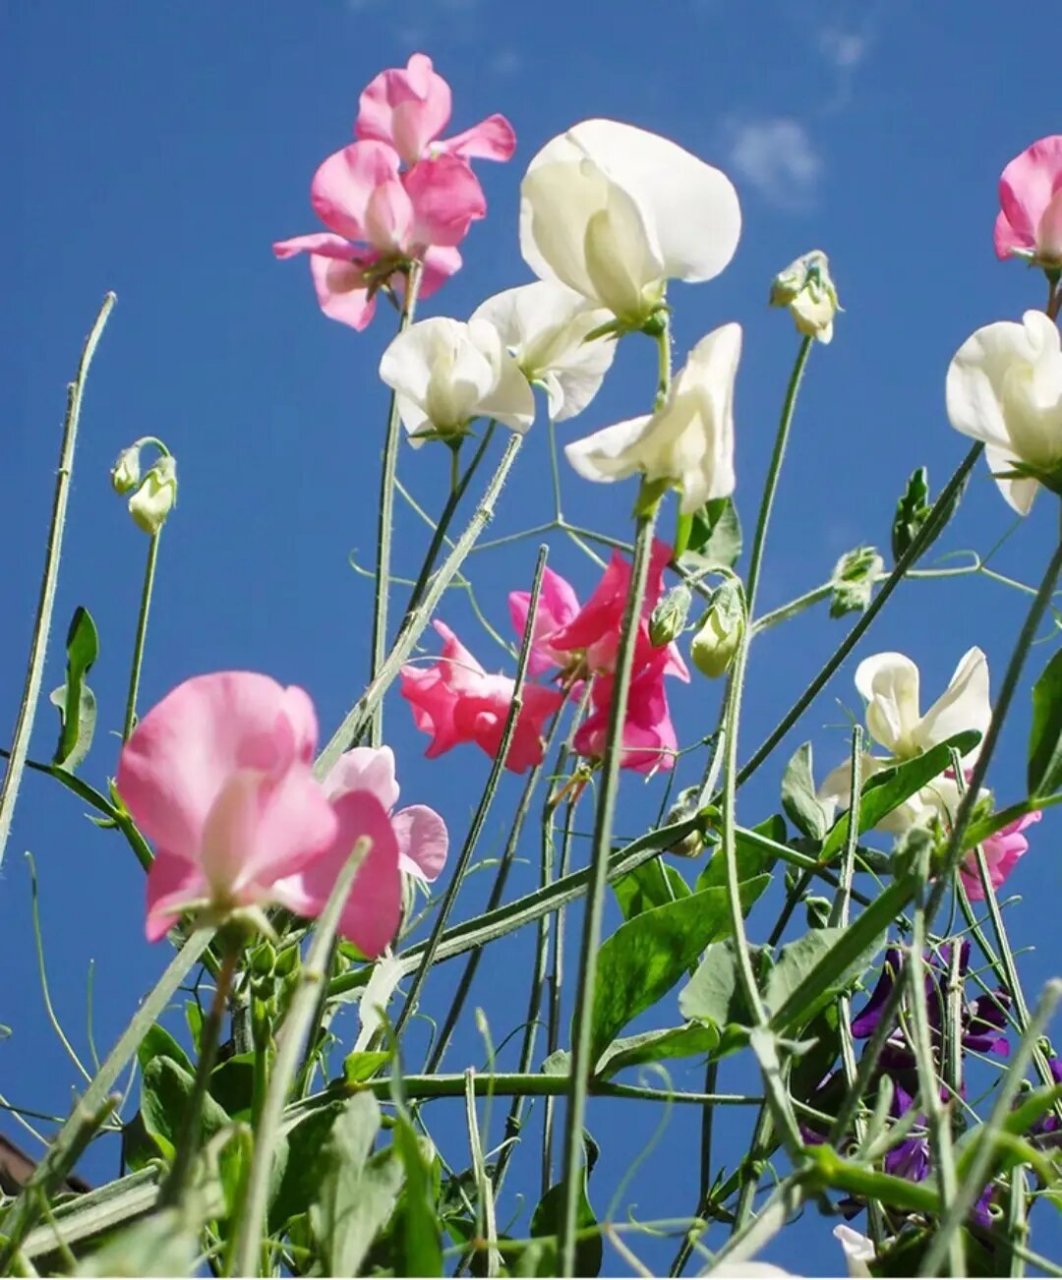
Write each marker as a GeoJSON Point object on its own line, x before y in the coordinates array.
{"type": "Point", "coordinates": [649, 738]}
{"type": "Point", "coordinates": [1002, 852]}
{"type": "Point", "coordinates": [456, 700]}
{"type": "Point", "coordinates": [380, 220]}
{"type": "Point", "coordinates": [410, 108]}
{"type": "Point", "coordinates": [421, 834]}
{"type": "Point", "coordinates": [218, 776]}
{"type": "Point", "coordinates": [1030, 191]}
{"type": "Point", "coordinates": [557, 606]}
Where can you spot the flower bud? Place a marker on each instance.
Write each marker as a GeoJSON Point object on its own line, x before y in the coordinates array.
{"type": "Point", "coordinates": [806, 289]}
{"type": "Point", "coordinates": [125, 474]}
{"type": "Point", "coordinates": [151, 503]}
{"type": "Point", "coordinates": [716, 642]}
{"type": "Point", "coordinates": [669, 617]}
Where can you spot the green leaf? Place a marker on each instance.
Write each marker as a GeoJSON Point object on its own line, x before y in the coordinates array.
{"type": "Point", "coordinates": [356, 1195]}
{"type": "Point", "coordinates": [1045, 737]}
{"type": "Point", "coordinates": [545, 1221]}
{"type": "Point", "coordinates": [689, 1041]}
{"type": "Point", "coordinates": [811, 971]}
{"type": "Point", "coordinates": [752, 858]}
{"type": "Point", "coordinates": [913, 510]}
{"type": "Point", "coordinates": [650, 885]}
{"type": "Point", "coordinates": [891, 787]}
{"type": "Point", "coordinates": [166, 1090]}
{"type": "Point", "coordinates": [158, 1043]}
{"type": "Point", "coordinates": [419, 1251]}
{"type": "Point", "coordinates": [297, 1183]}
{"type": "Point", "coordinates": [75, 700]}
{"type": "Point", "coordinates": [978, 832]}
{"type": "Point", "coordinates": [715, 536]}
{"type": "Point", "coordinates": [362, 1065]}
{"type": "Point", "coordinates": [853, 581]}
{"type": "Point", "coordinates": [162, 1245]}
{"type": "Point", "coordinates": [713, 997]}
{"type": "Point", "coordinates": [645, 957]}
{"type": "Point", "coordinates": [799, 800]}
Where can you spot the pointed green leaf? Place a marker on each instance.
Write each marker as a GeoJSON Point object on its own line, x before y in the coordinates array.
{"type": "Point", "coordinates": [166, 1091]}
{"type": "Point", "coordinates": [545, 1221]}
{"type": "Point", "coordinates": [752, 858]}
{"type": "Point", "coordinates": [1045, 737]}
{"type": "Point", "coordinates": [853, 581]}
{"type": "Point", "coordinates": [650, 885]}
{"type": "Point", "coordinates": [715, 535]}
{"type": "Point", "coordinates": [802, 805]}
{"type": "Point", "coordinates": [419, 1250]}
{"type": "Point", "coordinates": [75, 700]}
{"type": "Point", "coordinates": [690, 1041]}
{"type": "Point", "coordinates": [911, 511]}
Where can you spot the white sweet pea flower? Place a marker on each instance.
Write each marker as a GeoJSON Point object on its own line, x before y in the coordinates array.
{"type": "Point", "coordinates": [889, 682]}
{"type": "Point", "coordinates": [689, 442]}
{"type": "Point", "coordinates": [445, 373]}
{"type": "Point", "coordinates": [858, 1250]}
{"type": "Point", "coordinates": [615, 212]}
{"type": "Point", "coordinates": [1004, 387]}
{"type": "Point", "coordinates": [544, 325]}
{"type": "Point", "coordinates": [807, 289]}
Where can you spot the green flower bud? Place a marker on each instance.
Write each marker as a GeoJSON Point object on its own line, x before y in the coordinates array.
{"type": "Point", "coordinates": [716, 642]}
{"type": "Point", "coordinates": [668, 619]}
{"type": "Point", "coordinates": [152, 502]}
{"type": "Point", "coordinates": [805, 287]}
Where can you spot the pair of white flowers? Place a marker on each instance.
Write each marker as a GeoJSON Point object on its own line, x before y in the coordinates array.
{"type": "Point", "coordinates": [889, 684]}
{"type": "Point", "coordinates": [609, 213]}
{"type": "Point", "coordinates": [1004, 387]}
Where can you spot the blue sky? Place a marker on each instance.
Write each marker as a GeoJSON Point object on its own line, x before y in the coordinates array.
{"type": "Point", "coordinates": [159, 150]}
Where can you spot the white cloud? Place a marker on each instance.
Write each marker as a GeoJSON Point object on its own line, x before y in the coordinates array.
{"type": "Point", "coordinates": [845, 49]}
{"type": "Point", "coordinates": [504, 63]}
{"type": "Point", "coordinates": [777, 158]}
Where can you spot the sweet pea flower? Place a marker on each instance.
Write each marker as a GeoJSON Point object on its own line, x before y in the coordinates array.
{"type": "Point", "coordinates": [379, 221]}
{"type": "Point", "coordinates": [1029, 224]}
{"type": "Point", "coordinates": [545, 325]}
{"type": "Point", "coordinates": [1002, 852]}
{"type": "Point", "coordinates": [456, 700]}
{"type": "Point", "coordinates": [615, 212]}
{"type": "Point", "coordinates": [689, 442]}
{"type": "Point", "coordinates": [649, 739]}
{"type": "Point", "coordinates": [445, 373]}
{"type": "Point", "coordinates": [409, 109]}
{"type": "Point", "coordinates": [859, 1250]}
{"type": "Point", "coordinates": [557, 606]}
{"type": "Point", "coordinates": [807, 289]}
{"type": "Point", "coordinates": [1004, 387]}
{"type": "Point", "coordinates": [218, 776]}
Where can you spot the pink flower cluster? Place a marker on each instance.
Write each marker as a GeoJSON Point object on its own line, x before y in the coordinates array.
{"type": "Point", "coordinates": [219, 776]}
{"type": "Point", "coordinates": [1002, 852]}
{"type": "Point", "coordinates": [455, 700]}
{"type": "Point", "coordinates": [397, 195]}
{"type": "Point", "coordinates": [1029, 224]}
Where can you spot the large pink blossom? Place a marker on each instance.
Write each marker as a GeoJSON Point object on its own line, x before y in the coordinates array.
{"type": "Point", "coordinates": [456, 700]}
{"type": "Point", "coordinates": [649, 740]}
{"type": "Point", "coordinates": [409, 108]}
{"type": "Point", "coordinates": [218, 776]}
{"type": "Point", "coordinates": [557, 606]}
{"type": "Point", "coordinates": [379, 220]}
{"type": "Point", "coordinates": [1029, 224]}
{"type": "Point", "coordinates": [1002, 852]}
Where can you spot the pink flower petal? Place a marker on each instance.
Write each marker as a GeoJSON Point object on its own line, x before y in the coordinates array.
{"type": "Point", "coordinates": [446, 198]}
{"type": "Point", "coordinates": [440, 264]}
{"type": "Point", "coordinates": [408, 108]}
{"type": "Point", "coordinates": [491, 139]}
{"type": "Point", "coordinates": [1026, 188]}
{"type": "Point", "coordinates": [1002, 852]}
{"type": "Point", "coordinates": [365, 769]}
{"type": "Point", "coordinates": [172, 884]}
{"type": "Point", "coordinates": [557, 606]}
{"type": "Point", "coordinates": [342, 292]}
{"type": "Point", "coordinates": [345, 182]}
{"type": "Point", "coordinates": [423, 841]}
{"type": "Point", "coordinates": [320, 242]}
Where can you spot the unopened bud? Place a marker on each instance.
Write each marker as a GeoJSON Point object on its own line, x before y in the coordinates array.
{"type": "Point", "coordinates": [125, 474]}
{"type": "Point", "coordinates": [669, 617]}
{"type": "Point", "coordinates": [805, 287]}
{"type": "Point", "coordinates": [716, 642]}
{"type": "Point", "coordinates": [152, 502]}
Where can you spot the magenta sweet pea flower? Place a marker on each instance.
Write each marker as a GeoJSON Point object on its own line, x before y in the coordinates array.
{"type": "Point", "coordinates": [218, 776]}
{"type": "Point", "coordinates": [1029, 224]}
{"type": "Point", "coordinates": [649, 740]}
{"type": "Point", "coordinates": [409, 108]}
{"type": "Point", "coordinates": [379, 220]}
{"type": "Point", "coordinates": [1002, 852]}
{"type": "Point", "coordinates": [557, 606]}
{"type": "Point", "coordinates": [456, 700]}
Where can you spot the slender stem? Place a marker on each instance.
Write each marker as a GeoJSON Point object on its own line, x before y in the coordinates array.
{"type": "Point", "coordinates": [582, 1066]}
{"type": "Point", "coordinates": [484, 806]}
{"type": "Point", "coordinates": [141, 634]}
{"type": "Point", "coordinates": [486, 1222]}
{"type": "Point", "coordinates": [293, 1033]}
{"type": "Point", "coordinates": [360, 715]}
{"type": "Point", "coordinates": [191, 1124]}
{"type": "Point", "coordinates": [23, 1214]}
{"type": "Point", "coordinates": [920, 541]}
{"type": "Point", "coordinates": [46, 600]}
{"type": "Point", "coordinates": [555, 991]}
{"type": "Point", "coordinates": [385, 519]}
{"type": "Point", "coordinates": [773, 471]}
{"type": "Point", "coordinates": [704, 1202]}
{"type": "Point", "coordinates": [554, 470]}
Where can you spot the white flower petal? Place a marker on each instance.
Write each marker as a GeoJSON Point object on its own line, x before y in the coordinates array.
{"type": "Point", "coordinates": [965, 704]}
{"type": "Point", "coordinates": [858, 1249]}
{"type": "Point", "coordinates": [974, 386]}
{"type": "Point", "coordinates": [889, 683]}
{"type": "Point", "coordinates": [1017, 492]}
{"type": "Point", "coordinates": [609, 454]}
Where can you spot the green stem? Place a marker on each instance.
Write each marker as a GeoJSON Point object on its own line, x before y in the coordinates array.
{"type": "Point", "coordinates": [361, 714]}
{"type": "Point", "coordinates": [46, 600]}
{"type": "Point", "coordinates": [24, 1213]}
{"type": "Point", "coordinates": [773, 471]}
{"type": "Point", "coordinates": [141, 635]}
{"type": "Point", "coordinates": [188, 1141]}
{"type": "Point", "coordinates": [582, 1065]}
{"type": "Point", "coordinates": [293, 1033]}
{"type": "Point", "coordinates": [920, 541]}
{"type": "Point", "coordinates": [385, 519]}
{"type": "Point", "coordinates": [483, 808]}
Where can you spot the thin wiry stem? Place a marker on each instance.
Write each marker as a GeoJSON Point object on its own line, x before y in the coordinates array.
{"type": "Point", "coordinates": [141, 634]}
